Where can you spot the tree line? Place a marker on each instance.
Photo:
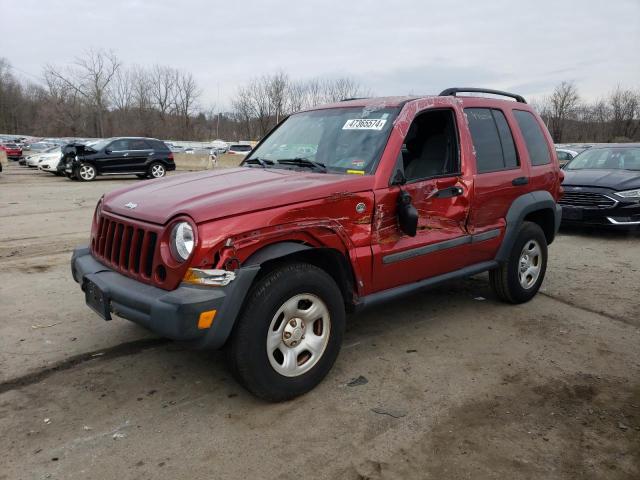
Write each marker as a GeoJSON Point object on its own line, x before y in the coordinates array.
{"type": "Point", "coordinates": [98, 96]}
{"type": "Point", "coordinates": [612, 118]}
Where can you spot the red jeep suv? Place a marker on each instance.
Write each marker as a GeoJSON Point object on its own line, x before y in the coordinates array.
{"type": "Point", "coordinates": [340, 207]}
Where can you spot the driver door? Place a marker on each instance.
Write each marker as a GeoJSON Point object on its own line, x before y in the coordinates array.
{"type": "Point", "coordinates": [431, 162]}
{"type": "Point", "coordinates": [114, 156]}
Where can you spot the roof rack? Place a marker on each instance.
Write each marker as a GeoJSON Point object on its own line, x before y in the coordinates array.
{"type": "Point", "coordinates": [353, 98]}
{"type": "Point", "coordinates": [453, 91]}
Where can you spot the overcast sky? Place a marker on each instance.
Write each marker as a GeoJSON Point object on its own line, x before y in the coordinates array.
{"type": "Point", "coordinates": [391, 47]}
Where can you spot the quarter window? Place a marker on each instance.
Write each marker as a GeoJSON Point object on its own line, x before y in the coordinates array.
{"type": "Point", "coordinates": [492, 139]}
{"type": "Point", "coordinates": [533, 138]}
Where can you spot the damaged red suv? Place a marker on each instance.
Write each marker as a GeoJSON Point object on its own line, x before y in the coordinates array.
{"type": "Point", "coordinates": [339, 208]}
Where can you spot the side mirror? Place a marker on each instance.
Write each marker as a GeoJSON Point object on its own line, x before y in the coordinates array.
{"type": "Point", "coordinates": [107, 151]}
{"type": "Point", "coordinates": [407, 214]}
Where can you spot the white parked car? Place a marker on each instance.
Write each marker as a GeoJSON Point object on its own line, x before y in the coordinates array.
{"type": "Point", "coordinates": [48, 161]}
{"type": "Point", "coordinates": [239, 149]}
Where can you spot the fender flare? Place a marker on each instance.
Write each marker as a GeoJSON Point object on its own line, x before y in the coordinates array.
{"type": "Point", "coordinates": [273, 251]}
{"type": "Point", "coordinates": [520, 208]}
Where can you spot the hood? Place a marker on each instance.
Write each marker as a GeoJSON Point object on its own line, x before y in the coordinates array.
{"type": "Point", "coordinates": [613, 179]}
{"type": "Point", "coordinates": [50, 156]}
{"type": "Point", "coordinates": [205, 196]}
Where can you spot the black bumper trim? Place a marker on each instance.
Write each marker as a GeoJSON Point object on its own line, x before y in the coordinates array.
{"type": "Point", "coordinates": [173, 314]}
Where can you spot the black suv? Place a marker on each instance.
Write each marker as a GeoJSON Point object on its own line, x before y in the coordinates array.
{"type": "Point", "coordinates": [144, 157]}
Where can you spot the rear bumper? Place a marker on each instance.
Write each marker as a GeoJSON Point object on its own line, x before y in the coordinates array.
{"type": "Point", "coordinates": [172, 314]}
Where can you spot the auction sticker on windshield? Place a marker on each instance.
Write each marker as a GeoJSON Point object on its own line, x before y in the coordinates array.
{"type": "Point", "coordinates": [364, 124]}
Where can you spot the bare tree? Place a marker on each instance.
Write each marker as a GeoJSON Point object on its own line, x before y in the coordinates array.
{"type": "Point", "coordinates": [625, 110]}
{"type": "Point", "coordinates": [186, 96]}
{"type": "Point", "coordinates": [163, 89]}
{"type": "Point", "coordinates": [90, 77]}
{"type": "Point", "coordinates": [561, 106]}
{"type": "Point", "coordinates": [123, 92]}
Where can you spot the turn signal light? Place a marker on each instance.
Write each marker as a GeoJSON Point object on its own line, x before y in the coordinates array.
{"type": "Point", "coordinates": [206, 319]}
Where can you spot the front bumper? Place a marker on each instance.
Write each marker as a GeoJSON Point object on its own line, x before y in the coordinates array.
{"type": "Point", "coordinates": [172, 314]}
{"type": "Point", "coordinates": [624, 213]}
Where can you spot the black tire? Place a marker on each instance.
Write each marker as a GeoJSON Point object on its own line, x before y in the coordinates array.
{"type": "Point", "coordinates": [156, 170]}
{"type": "Point", "coordinates": [247, 348]}
{"type": "Point", "coordinates": [506, 281]}
{"type": "Point", "coordinates": [86, 172]}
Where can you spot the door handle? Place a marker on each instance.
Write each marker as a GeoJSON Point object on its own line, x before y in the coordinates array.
{"type": "Point", "coordinates": [516, 182]}
{"type": "Point", "coordinates": [126, 154]}
{"type": "Point", "coordinates": [449, 192]}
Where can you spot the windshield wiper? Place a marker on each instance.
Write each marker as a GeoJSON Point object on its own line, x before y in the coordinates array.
{"type": "Point", "coordinates": [260, 161]}
{"type": "Point", "coordinates": [304, 162]}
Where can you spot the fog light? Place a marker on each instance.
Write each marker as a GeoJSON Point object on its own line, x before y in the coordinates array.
{"type": "Point", "coordinates": [206, 319]}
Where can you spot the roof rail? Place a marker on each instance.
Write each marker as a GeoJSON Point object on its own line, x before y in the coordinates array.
{"type": "Point", "coordinates": [453, 91]}
{"type": "Point", "coordinates": [353, 98]}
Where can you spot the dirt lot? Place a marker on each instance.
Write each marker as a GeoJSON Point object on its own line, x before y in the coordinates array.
{"type": "Point", "coordinates": [455, 384]}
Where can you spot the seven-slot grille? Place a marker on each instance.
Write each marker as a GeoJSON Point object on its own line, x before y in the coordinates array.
{"type": "Point", "coordinates": [586, 199]}
{"type": "Point", "coordinates": [127, 248]}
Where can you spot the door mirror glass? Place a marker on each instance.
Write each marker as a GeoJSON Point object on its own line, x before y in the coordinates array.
{"type": "Point", "coordinates": [407, 214]}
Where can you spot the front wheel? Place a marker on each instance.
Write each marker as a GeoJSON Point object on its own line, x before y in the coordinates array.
{"type": "Point", "coordinates": [519, 279]}
{"type": "Point", "coordinates": [289, 334]}
{"type": "Point", "coordinates": [157, 170]}
{"type": "Point", "coordinates": [86, 172]}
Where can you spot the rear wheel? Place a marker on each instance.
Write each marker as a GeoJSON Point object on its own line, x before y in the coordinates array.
{"type": "Point", "coordinates": [289, 334]}
{"type": "Point", "coordinates": [519, 279]}
{"type": "Point", "coordinates": [157, 170]}
{"type": "Point", "coordinates": [86, 172]}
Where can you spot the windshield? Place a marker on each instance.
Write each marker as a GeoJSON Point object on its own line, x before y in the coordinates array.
{"type": "Point", "coordinates": [344, 140]}
{"type": "Point", "coordinates": [614, 158]}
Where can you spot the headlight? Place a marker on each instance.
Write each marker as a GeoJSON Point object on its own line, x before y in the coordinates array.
{"type": "Point", "coordinates": [182, 240]}
{"type": "Point", "coordinates": [99, 208]}
{"type": "Point", "coordinates": [630, 193]}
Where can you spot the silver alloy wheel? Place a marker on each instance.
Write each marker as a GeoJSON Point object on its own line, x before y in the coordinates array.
{"type": "Point", "coordinates": [87, 172]}
{"type": "Point", "coordinates": [157, 171]}
{"type": "Point", "coordinates": [298, 335]}
{"type": "Point", "coordinates": [530, 264]}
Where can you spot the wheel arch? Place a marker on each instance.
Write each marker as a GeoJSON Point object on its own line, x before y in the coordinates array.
{"type": "Point", "coordinates": [538, 207]}
{"type": "Point", "coordinates": [331, 260]}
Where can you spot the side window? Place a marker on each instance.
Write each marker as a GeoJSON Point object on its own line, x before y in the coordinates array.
{"type": "Point", "coordinates": [430, 148]}
{"type": "Point", "coordinates": [533, 137]}
{"type": "Point", "coordinates": [492, 139]}
{"type": "Point", "coordinates": [118, 146]}
{"type": "Point", "coordinates": [506, 140]}
{"type": "Point", "coordinates": [138, 144]}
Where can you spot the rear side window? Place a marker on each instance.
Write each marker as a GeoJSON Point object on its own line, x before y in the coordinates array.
{"type": "Point", "coordinates": [533, 138]}
{"type": "Point", "coordinates": [138, 144]}
{"type": "Point", "coordinates": [492, 139]}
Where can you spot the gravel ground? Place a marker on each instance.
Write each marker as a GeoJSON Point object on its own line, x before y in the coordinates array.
{"type": "Point", "coordinates": [446, 384]}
